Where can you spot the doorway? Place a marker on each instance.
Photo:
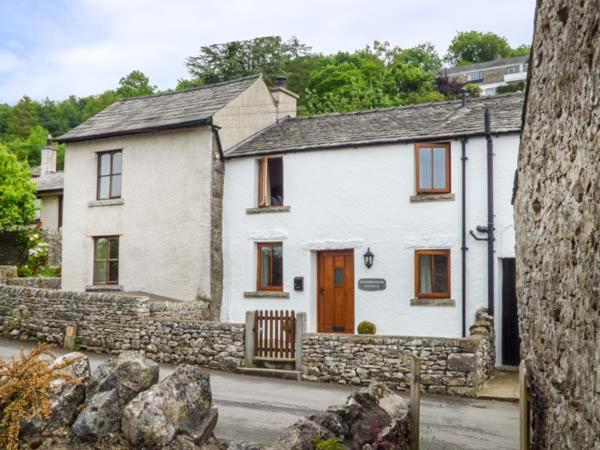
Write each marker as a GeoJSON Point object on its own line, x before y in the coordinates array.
{"type": "Point", "coordinates": [510, 321]}
{"type": "Point", "coordinates": [335, 291]}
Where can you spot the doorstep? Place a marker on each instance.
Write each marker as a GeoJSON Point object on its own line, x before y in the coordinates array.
{"type": "Point", "coordinates": [504, 387]}
{"type": "Point", "coordinates": [271, 373]}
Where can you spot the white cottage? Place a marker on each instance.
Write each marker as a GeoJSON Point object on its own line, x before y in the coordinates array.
{"type": "Point", "coordinates": [378, 216]}
{"type": "Point", "coordinates": [143, 188]}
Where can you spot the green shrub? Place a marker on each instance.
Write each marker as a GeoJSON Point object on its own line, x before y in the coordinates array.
{"type": "Point", "coordinates": [472, 89]}
{"type": "Point", "coordinates": [24, 271]}
{"type": "Point", "coordinates": [49, 271]}
{"type": "Point", "coordinates": [512, 87]}
{"type": "Point", "coordinates": [366, 327]}
{"type": "Point", "coordinates": [328, 444]}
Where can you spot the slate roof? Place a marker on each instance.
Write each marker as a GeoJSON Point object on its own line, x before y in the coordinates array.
{"type": "Point", "coordinates": [444, 120]}
{"type": "Point", "coordinates": [50, 182]}
{"type": "Point", "coordinates": [486, 65]}
{"type": "Point", "coordinates": [161, 111]}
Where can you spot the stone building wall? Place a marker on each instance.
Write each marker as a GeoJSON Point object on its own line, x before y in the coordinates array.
{"type": "Point", "coordinates": [7, 272]}
{"type": "Point", "coordinates": [54, 241]}
{"type": "Point", "coordinates": [448, 366]}
{"type": "Point", "coordinates": [557, 215]}
{"type": "Point", "coordinates": [110, 323]}
{"type": "Point", "coordinates": [35, 282]}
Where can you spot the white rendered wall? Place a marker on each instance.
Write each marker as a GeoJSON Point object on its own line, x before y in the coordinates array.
{"type": "Point", "coordinates": [49, 211]}
{"type": "Point", "coordinates": [164, 222]}
{"type": "Point", "coordinates": [358, 198]}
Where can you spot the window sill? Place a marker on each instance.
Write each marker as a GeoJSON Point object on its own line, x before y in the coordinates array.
{"type": "Point", "coordinates": [432, 302]}
{"type": "Point", "coordinates": [268, 209]}
{"type": "Point", "coordinates": [104, 288]}
{"type": "Point", "coordinates": [107, 202]}
{"type": "Point", "coordinates": [267, 294]}
{"type": "Point", "coordinates": [422, 198]}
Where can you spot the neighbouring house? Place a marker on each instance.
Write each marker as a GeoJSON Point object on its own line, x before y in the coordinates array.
{"type": "Point", "coordinates": [378, 216]}
{"type": "Point", "coordinates": [49, 183]}
{"type": "Point", "coordinates": [143, 188]}
{"type": "Point", "coordinates": [490, 75]}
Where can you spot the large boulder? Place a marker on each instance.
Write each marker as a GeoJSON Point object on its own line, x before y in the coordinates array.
{"type": "Point", "coordinates": [177, 407]}
{"type": "Point", "coordinates": [65, 397]}
{"type": "Point", "coordinates": [371, 418]}
{"type": "Point", "coordinates": [112, 385]}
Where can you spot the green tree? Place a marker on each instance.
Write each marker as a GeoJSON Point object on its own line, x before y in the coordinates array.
{"type": "Point", "coordinates": [474, 46]}
{"type": "Point", "coordinates": [134, 85]}
{"type": "Point", "coordinates": [424, 56]}
{"type": "Point", "coordinates": [521, 50]}
{"type": "Point", "coordinates": [23, 117]}
{"type": "Point", "coordinates": [17, 191]}
{"type": "Point", "coordinates": [222, 62]}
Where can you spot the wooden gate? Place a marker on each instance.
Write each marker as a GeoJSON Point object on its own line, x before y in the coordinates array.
{"type": "Point", "coordinates": [274, 334]}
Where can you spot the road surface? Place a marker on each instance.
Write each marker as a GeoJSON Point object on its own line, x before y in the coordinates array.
{"type": "Point", "coordinates": [257, 409]}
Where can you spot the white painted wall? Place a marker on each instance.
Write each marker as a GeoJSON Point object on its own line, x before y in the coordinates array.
{"type": "Point", "coordinates": [164, 222]}
{"type": "Point", "coordinates": [49, 212]}
{"type": "Point", "coordinates": [358, 198]}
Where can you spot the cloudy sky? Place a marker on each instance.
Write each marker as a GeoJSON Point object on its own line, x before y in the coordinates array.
{"type": "Point", "coordinates": [54, 48]}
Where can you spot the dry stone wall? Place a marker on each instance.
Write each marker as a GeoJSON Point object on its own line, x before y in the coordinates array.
{"type": "Point", "coordinates": [111, 323]}
{"type": "Point", "coordinates": [36, 282]}
{"type": "Point", "coordinates": [557, 217]}
{"type": "Point", "coordinates": [448, 366]}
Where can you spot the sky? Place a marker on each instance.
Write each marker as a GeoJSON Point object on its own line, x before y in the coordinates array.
{"type": "Point", "coordinates": [57, 48]}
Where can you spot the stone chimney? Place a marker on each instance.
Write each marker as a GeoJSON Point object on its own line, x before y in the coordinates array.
{"type": "Point", "coordinates": [285, 99]}
{"type": "Point", "coordinates": [49, 152]}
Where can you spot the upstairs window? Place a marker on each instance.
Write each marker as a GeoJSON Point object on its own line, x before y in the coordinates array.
{"type": "Point", "coordinates": [270, 266]}
{"type": "Point", "coordinates": [513, 69]}
{"type": "Point", "coordinates": [474, 76]}
{"type": "Point", "coordinates": [433, 168]}
{"type": "Point", "coordinates": [432, 273]}
{"type": "Point", "coordinates": [109, 175]}
{"type": "Point", "coordinates": [106, 260]}
{"type": "Point", "coordinates": [270, 182]}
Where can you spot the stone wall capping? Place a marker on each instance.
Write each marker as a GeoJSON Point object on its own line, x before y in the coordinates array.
{"type": "Point", "coordinates": [104, 288]}
{"type": "Point", "coordinates": [448, 302]}
{"type": "Point", "coordinates": [268, 209]}
{"type": "Point", "coordinates": [107, 202]}
{"type": "Point", "coordinates": [266, 294]}
{"type": "Point", "coordinates": [423, 198]}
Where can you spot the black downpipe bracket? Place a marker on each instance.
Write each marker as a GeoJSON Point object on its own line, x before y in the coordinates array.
{"type": "Point", "coordinates": [464, 247]}
{"type": "Point", "coordinates": [490, 209]}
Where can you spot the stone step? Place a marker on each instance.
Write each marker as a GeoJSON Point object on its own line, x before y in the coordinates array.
{"type": "Point", "coordinates": [272, 373]}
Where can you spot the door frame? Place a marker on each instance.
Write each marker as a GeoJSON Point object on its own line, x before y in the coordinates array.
{"type": "Point", "coordinates": [341, 252]}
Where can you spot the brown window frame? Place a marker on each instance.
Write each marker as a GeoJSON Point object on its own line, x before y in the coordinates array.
{"type": "Point", "coordinates": [418, 294]}
{"type": "Point", "coordinates": [448, 187]}
{"type": "Point", "coordinates": [264, 197]}
{"type": "Point", "coordinates": [110, 174]}
{"type": "Point", "coordinates": [259, 246]}
{"type": "Point", "coordinates": [104, 282]}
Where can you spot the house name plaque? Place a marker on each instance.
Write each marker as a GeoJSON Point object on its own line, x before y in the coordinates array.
{"type": "Point", "coordinates": [372, 284]}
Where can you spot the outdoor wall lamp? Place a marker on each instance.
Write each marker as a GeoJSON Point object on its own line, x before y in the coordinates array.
{"type": "Point", "coordinates": [369, 257]}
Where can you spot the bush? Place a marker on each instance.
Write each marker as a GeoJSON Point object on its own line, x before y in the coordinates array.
{"type": "Point", "coordinates": [24, 271]}
{"type": "Point", "coordinates": [328, 444]}
{"type": "Point", "coordinates": [366, 327]}
{"type": "Point", "coordinates": [26, 383]}
{"type": "Point", "coordinates": [512, 87]}
{"type": "Point", "coordinates": [49, 271]}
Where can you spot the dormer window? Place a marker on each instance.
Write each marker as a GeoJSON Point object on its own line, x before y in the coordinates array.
{"type": "Point", "coordinates": [270, 182]}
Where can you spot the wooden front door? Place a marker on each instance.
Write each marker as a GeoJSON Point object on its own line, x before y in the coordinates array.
{"type": "Point", "coordinates": [335, 291]}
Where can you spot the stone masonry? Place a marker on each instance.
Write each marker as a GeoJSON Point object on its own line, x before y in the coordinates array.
{"type": "Point", "coordinates": [36, 282]}
{"type": "Point", "coordinates": [448, 366]}
{"type": "Point", "coordinates": [557, 218]}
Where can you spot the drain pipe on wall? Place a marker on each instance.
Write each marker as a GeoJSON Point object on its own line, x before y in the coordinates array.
{"type": "Point", "coordinates": [489, 227]}
{"type": "Point", "coordinates": [464, 248]}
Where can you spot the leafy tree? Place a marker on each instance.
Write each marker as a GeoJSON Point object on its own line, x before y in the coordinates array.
{"type": "Point", "coordinates": [424, 56]}
{"type": "Point", "coordinates": [134, 85]}
{"type": "Point", "coordinates": [17, 191]}
{"type": "Point", "coordinates": [23, 118]}
{"type": "Point", "coordinates": [474, 46]}
{"type": "Point", "coordinates": [521, 50]}
{"type": "Point", "coordinates": [221, 62]}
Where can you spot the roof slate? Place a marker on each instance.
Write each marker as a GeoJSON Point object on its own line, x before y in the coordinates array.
{"type": "Point", "coordinates": [161, 111]}
{"type": "Point", "coordinates": [486, 65]}
{"type": "Point", "coordinates": [404, 124]}
{"type": "Point", "coordinates": [48, 182]}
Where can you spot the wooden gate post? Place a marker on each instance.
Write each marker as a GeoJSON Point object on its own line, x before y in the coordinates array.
{"type": "Point", "coordinates": [249, 339]}
{"type": "Point", "coordinates": [524, 413]}
{"type": "Point", "coordinates": [415, 402]}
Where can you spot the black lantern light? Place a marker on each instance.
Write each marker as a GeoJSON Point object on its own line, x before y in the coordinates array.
{"type": "Point", "coordinates": [369, 257]}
